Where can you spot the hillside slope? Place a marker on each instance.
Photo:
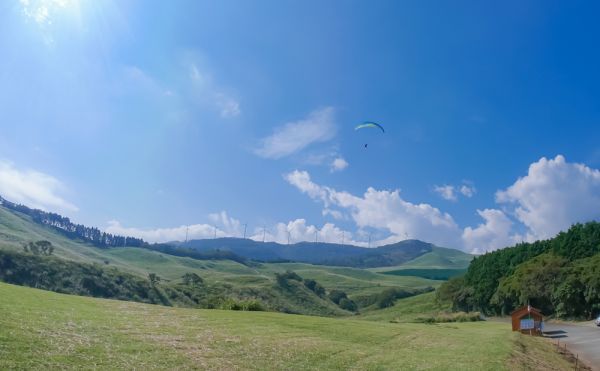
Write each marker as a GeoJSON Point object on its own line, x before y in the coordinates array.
{"type": "Point", "coordinates": [43, 330]}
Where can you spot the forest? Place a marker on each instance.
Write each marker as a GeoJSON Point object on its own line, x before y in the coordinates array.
{"type": "Point", "coordinates": [560, 276]}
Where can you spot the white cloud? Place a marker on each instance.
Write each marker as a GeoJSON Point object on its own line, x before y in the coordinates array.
{"type": "Point", "coordinates": [450, 192]}
{"type": "Point", "coordinates": [338, 164]}
{"type": "Point", "coordinates": [494, 234]}
{"type": "Point", "coordinates": [447, 192]}
{"type": "Point", "coordinates": [32, 188]}
{"type": "Point", "coordinates": [222, 224]}
{"type": "Point", "coordinates": [336, 214]}
{"type": "Point", "coordinates": [195, 231]}
{"type": "Point", "coordinates": [553, 195]}
{"type": "Point", "coordinates": [298, 230]}
{"type": "Point", "coordinates": [384, 210]}
{"type": "Point", "coordinates": [292, 137]}
{"type": "Point", "coordinates": [467, 190]}
{"type": "Point", "coordinates": [229, 226]}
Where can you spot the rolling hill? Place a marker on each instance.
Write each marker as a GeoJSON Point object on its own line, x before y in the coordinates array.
{"type": "Point", "coordinates": [225, 278]}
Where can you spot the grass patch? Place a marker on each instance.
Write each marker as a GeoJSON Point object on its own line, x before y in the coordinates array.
{"type": "Point", "coordinates": [445, 317]}
{"type": "Point", "coordinates": [432, 274]}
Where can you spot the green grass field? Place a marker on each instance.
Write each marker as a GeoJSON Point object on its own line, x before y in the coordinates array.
{"type": "Point", "coordinates": [438, 258]}
{"type": "Point", "coordinates": [42, 330]}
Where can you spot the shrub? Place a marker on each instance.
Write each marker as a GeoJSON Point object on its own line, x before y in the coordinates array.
{"type": "Point", "coordinates": [445, 317]}
{"type": "Point", "coordinates": [337, 295]}
{"type": "Point", "coordinates": [314, 286]}
{"type": "Point", "coordinates": [348, 305]}
{"type": "Point", "coordinates": [245, 305]}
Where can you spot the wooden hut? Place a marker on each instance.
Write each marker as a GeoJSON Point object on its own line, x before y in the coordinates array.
{"type": "Point", "coordinates": [528, 320]}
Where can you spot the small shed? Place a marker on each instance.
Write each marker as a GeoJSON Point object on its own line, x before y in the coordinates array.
{"type": "Point", "coordinates": [528, 320]}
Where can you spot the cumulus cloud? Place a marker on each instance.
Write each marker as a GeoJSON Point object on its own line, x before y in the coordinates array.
{"type": "Point", "coordinates": [298, 230]}
{"type": "Point", "coordinates": [553, 195]}
{"type": "Point", "coordinates": [494, 234]}
{"type": "Point", "coordinates": [222, 226]}
{"type": "Point", "coordinates": [292, 137]}
{"type": "Point", "coordinates": [467, 190]}
{"type": "Point", "coordinates": [385, 210]}
{"type": "Point", "coordinates": [447, 192]}
{"type": "Point", "coordinates": [338, 164]}
{"type": "Point", "coordinates": [225, 226]}
{"type": "Point", "coordinates": [32, 188]}
{"type": "Point", "coordinates": [450, 192]}
{"type": "Point", "coordinates": [195, 231]}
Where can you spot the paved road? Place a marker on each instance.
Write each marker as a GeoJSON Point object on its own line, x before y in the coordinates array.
{"type": "Point", "coordinates": [583, 339]}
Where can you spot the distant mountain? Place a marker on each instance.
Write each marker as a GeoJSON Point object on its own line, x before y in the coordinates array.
{"type": "Point", "coordinates": [320, 253]}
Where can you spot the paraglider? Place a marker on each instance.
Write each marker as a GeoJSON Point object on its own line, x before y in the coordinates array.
{"type": "Point", "coordinates": [369, 124]}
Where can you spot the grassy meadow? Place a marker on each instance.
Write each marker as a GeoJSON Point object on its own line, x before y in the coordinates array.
{"type": "Point", "coordinates": [45, 330]}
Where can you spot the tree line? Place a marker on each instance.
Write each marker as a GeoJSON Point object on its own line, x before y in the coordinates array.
{"type": "Point", "coordinates": [64, 225]}
{"type": "Point", "coordinates": [560, 276]}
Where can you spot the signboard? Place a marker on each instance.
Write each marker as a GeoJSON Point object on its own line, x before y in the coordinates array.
{"type": "Point", "coordinates": [527, 324]}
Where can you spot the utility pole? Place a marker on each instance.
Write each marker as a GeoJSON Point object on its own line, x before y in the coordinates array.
{"type": "Point", "coordinates": [264, 233]}
{"type": "Point", "coordinates": [245, 225]}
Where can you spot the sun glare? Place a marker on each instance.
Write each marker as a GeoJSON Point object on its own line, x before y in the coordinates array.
{"type": "Point", "coordinates": [43, 12]}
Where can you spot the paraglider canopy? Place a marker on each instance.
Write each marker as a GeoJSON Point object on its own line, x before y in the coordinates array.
{"type": "Point", "coordinates": [369, 124]}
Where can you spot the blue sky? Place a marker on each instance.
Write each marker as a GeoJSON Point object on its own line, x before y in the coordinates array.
{"type": "Point", "coordinates": [145, 118]}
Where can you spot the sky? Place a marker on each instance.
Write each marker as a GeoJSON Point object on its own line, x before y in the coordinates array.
{"type": "Point", "coordinates": [154, 119]}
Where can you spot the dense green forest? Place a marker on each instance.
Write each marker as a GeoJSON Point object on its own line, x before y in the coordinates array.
{"type": "Point", "coordinates": [560, 276]}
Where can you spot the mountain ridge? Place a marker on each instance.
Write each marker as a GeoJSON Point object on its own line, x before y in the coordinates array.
{"type": "Point", "coordinates": [321, 253]}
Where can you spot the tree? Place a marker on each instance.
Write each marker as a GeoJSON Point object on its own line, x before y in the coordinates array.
{"type": "Point", "coordinates": [314, 286]}
{"type": "Point", "coordinates": [348, 305]}
{"type": "Point", "coordinates": [192, 279]}
{"type": "Point", "coordinates": [154, 278]}
{"type": "Point", "coordinates": [337, 295]}
{"type": "Point", "coordinates": [45, 247]}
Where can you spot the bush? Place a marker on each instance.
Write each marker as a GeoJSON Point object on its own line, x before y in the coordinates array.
{"type": "Point", "coordinates": [282, 278]}
{"type": "Point", "coordinates": [445, 317]}
{"type": "Point", "coordinates": [245, 305]}
{"type": "Point", "coordinates": [315, 287]}
{"type": "Point", "coordinates": [348, 305]}
{"type": "Point", "coordinates": [337, 295]}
